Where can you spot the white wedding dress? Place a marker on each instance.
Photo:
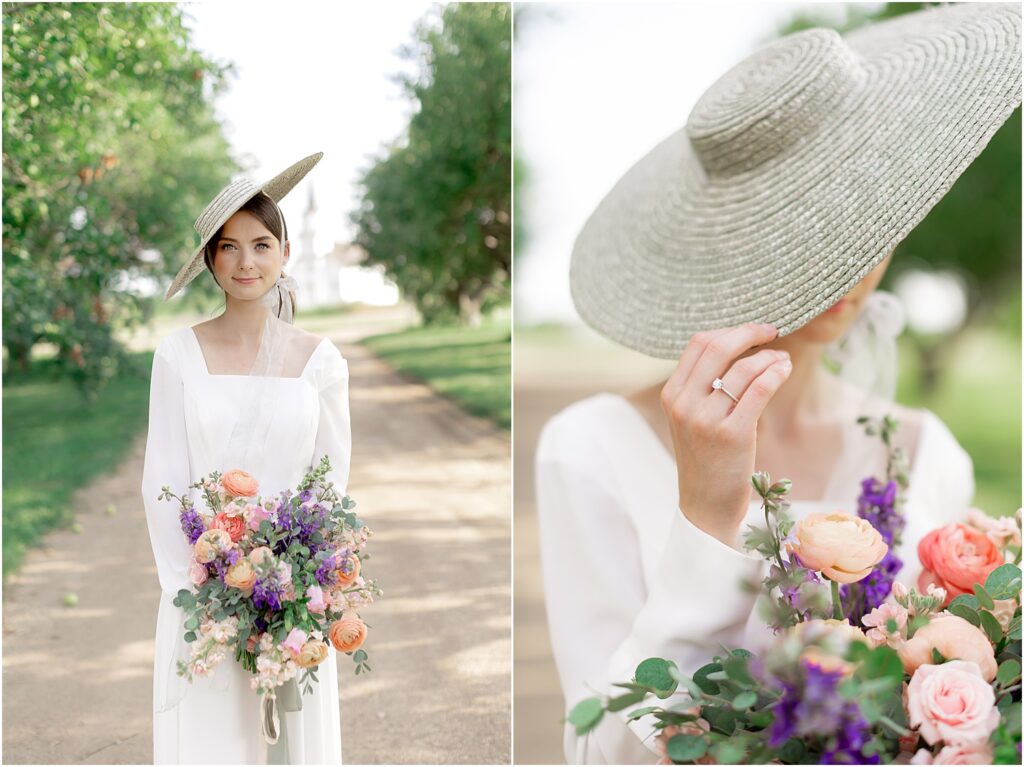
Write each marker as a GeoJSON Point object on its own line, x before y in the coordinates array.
{"type": "Point", "coordinates": [628, 577]}
{"type": "Point", "coordinates": [216, 719]}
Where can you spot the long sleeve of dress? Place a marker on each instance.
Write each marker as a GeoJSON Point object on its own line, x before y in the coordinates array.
{"type": "Point", "coordinates": [334, 429]}
{"type": "Point", "coordinates": [166, 463]}
{"type": "Point", "coordinates": [605, 614]}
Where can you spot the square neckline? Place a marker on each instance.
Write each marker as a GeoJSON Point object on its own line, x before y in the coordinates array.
{"type": "Point", "coordinates": [912, 473]}
{"type": "Point", "coordinates": [206, 370]}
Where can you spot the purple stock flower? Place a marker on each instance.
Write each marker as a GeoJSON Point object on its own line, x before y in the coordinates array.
{"type": "Point", "coordinates": [877, 505]}
{"type": "Point", "coordinates": [266, 594]}
{"type": "Point", "coordinates": [191, 524]}
{"type": "Point", "coordinates": [812, 708]}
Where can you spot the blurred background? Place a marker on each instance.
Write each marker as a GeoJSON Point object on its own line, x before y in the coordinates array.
{"type": "Point", "coordinates": [596, 86]}
{"type": "Point", "coordinates": [120, 122]}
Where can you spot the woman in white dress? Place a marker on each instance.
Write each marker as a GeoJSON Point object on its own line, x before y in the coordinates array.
{"type": "Point", "coordinates": [747, 246]}
{"type": "Point", "coordinates": [243, 390]}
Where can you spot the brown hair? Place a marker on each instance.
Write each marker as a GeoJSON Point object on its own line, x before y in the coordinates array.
{"type": "Point", "coordinates": [266, 210]}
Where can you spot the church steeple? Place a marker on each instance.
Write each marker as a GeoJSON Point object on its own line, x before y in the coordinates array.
{"type": "Point", "coordinates": [308, 226]}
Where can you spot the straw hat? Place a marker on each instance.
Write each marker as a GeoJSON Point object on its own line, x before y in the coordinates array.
{"type": "Point", "coordinates": [228, 202]}
{"type": "Point", "coordinates": [797, 172]}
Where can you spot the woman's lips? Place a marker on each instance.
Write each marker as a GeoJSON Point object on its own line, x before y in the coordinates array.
{"type": "Point", "coordinates": [246, 280]}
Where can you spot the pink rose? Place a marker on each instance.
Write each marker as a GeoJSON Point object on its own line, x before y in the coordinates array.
{"type": "Point", "coordinates": [1002, 531]}
{"type": "Point", "coordinates": [953, 637]}
{"type": "Point", "coordinates": [197, 573]}
{"type": "Point", "coordinates": [956, 557]}
{"type": "Point", "coordinates": [316, 602]}
{"type": "Point", "coordinates": [967, 753]}
{"type": "Point", "coordinates": [841, 547]}
{"type": "Point", "coordinates": [951, 703]}
{"type": "Point", "coordinates": [294, 641]}
{"type": "Point", "coordinates": [877, 620]}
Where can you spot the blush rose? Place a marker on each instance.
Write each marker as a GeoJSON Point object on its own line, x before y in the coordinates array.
{"type": "Point", "coordinates": [951, 703]}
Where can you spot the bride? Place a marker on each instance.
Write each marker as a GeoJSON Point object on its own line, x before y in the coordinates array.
{"type": "Point", "coordinates": [748, 246]}
{"type": "Point", "coordinates": [244, 390]}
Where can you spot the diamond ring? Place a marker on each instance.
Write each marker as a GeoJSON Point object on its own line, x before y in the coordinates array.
{"type": "Point", "coordinates": [718, 384]}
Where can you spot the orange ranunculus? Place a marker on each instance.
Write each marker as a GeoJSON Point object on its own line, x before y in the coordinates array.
{"type": "Point", "coordinates": [347, 633]}
{"type": "Point", "coordinates": [352, 565]}
{"type": "Point", "coordinates": [239, 484]}
{"type": "Point", "coordinates": [841, 547]}
{"type": "Point", "coordinates": [233, 526]}
{"type": "Point", "coordinates": [955, 557]}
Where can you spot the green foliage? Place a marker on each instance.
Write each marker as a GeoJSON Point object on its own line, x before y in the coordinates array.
{"type": "Point", "coordinates": [1004, 582]}
{"type": "Point", "coordinates": [110, 150]}
{"type": "Point", "coordinates": [686, 748]}
{"type": "Point", "coordinates": [52, 446]}
{"type": "Point", "coordinates": [586, 714]}
{"type": "Point", "coordinates": [436, 207]}
{"type": "Point", "coordinates": [655, 674]}
{"type": "Point", "coordinates": [473, 366]}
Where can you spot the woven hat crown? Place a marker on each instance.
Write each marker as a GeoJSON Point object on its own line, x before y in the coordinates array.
{"type": "Point", "coordinates": [772, 100]}
{"type": "Point", "coordinates": [230, 198]}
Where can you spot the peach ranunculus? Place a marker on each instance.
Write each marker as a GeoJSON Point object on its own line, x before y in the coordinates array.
{"type": "Point", "coordinates": [951, 703]}
{"type": "Point", "coordinates": [1002, 531]}
{"type": "Point", "coordinates": [347, 634]}
{"type": "Point", "coordinates": [352, 566]}
{"type": "Point", "coordinates": [241, 575]}
{"type": "Point", "coordinates": [953, 637]}
{"type": "Point", "coordinates": [212, 543]}
{"type": "Point", "coordinates": [878, 622]}
{"type": "Point", "coordinates": [240, 484]}
{"type": "Point", "coordinates": [841, 547]}
{"type": "Point", "coordinates": [956, 557]}
{"type": "Point", "coordinates": [313, 652]}
{"type": "Point", "coordinates": [261, 554]}
{"type": "Point", "coordinates": [826, 642]}
{"type": "Point", "coordinates": [233, 526]}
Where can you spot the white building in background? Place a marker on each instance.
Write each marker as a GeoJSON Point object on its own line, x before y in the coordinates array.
{"type": "Point", "coordinates": [338, 277]}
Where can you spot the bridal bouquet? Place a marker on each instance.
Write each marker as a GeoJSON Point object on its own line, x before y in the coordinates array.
{"type": "Point", "coordinates": [861, 670]}
{"type": "Point", "coordinates": [276, 578]}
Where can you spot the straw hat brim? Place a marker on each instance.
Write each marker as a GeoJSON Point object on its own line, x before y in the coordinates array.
{"type": "Point", "coordinates": [673, 250]}
{"type": "Point", "coordinates": [228, 202]}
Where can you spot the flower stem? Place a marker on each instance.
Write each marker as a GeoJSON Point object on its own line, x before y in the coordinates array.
{"type": "Point", "coordinates": [837, 604]}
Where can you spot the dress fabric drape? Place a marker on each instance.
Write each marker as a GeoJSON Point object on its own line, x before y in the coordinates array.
{"type": "Point", "coordinates": [627, 576]}
{"type": "Point", "coordinates": [215, 719]}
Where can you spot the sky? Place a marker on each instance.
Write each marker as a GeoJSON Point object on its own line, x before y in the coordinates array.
{"type": "Point", "coordinates": [310, 77]}
{"type": "Point", "coordinates": [596, 86]}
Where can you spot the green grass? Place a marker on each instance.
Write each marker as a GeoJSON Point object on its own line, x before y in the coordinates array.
{"type": "Point", "coordinates": [472, 366]}
{"type": "Point", "coordinates": [54, 444]}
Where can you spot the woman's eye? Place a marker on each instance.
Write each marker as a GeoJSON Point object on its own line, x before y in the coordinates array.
{"type": "Point", "coordinates": [263, 244]}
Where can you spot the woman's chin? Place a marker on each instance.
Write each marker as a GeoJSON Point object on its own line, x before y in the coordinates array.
{"type": "Point", "coordinates": [824, 329]}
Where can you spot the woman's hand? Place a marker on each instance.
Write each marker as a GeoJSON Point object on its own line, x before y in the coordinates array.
{"type": "Point", "coordinates": [714, 438]}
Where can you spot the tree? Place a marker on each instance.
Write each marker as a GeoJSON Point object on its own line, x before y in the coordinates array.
{"type": "Point", "coordinates": [110, 149]}
{"type": "Point", "coordinates": [436, 206]}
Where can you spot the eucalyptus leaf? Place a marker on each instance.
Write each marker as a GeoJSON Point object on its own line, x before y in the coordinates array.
{"type": "Point", "coordinates": [654, 673]}
{"type": "Point", "coordinates": [701, 678]}
{"type": "Point", "coordinates": [586, 714]}
{"type": "Point", "coordinates": [1004, 582]}
{"type": "Point", "coordinates": [966, 599]}
{"type": "Point", "coordinates": [625, 701]}
{"type": "Point", "coordinates": [744, 700]}
{"type": "Point", "coordinates": [1009, 672]}
{"type": "Point", "coordinates": [686, 748]}
{"type": "Point", "coordinates": [729, 751]}
{"type": "Point", "coordinates": [633, 715]}
{"type": "Point", "coordinates": [965, 612]}
{"type": "Point", "coordinates": [990, 624]}
{"type": "Point", "coordinates": [984, 600]}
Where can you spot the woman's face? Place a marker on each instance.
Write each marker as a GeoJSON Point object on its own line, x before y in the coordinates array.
{"type": "Point", "coordinates": [248, 259]}
{"type": "Point", "coordinates": [831, 324]}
